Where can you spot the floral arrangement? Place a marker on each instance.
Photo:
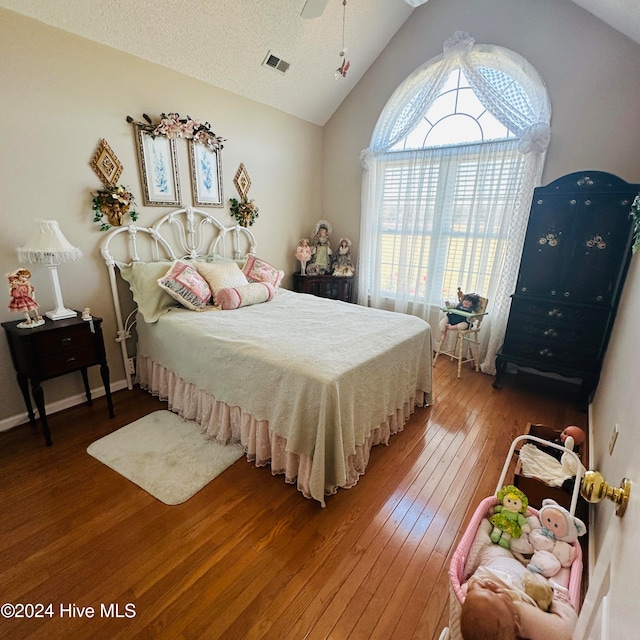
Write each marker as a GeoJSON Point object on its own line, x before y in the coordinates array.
{"type": "Point", "coordinates": [244, 211]}
{"type": "Point", "coordinates": [173, 126]}
{"type": "Point", "coordinates": [114, 202]}
{"type": "Point", "coordinates": [635, 214]}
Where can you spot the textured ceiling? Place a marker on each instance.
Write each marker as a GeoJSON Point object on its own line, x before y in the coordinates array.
{"type": "Point", "coordinates": [224, 42]}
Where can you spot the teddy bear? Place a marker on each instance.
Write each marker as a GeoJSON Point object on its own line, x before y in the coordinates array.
{"type": "Point", "coordinates": [552, 542]}
{"type": "Point", "coordinates": [508, 517]}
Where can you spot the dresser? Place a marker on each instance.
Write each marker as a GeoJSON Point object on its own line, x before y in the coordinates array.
{"type": "Point", "coordinates": [54, 349]}
{"type": "Point", "coordinates": [326, 286]}
{"type": "Point", "coordinates": [575, 259]}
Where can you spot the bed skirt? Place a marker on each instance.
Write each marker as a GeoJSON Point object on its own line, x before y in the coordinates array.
{"type": "Point", "coordinates": [229, 424]}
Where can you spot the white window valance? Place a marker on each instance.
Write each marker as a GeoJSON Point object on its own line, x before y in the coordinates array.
{"type": "Point", "coordinates": [515, 95]}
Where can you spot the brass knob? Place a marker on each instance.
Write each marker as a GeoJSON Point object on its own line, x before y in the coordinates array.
{"type": "Point", "coordinates": [595, 489]}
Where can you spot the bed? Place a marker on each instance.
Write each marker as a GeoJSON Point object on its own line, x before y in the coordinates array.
{"type": "Point", "coordinates": [306, 385]}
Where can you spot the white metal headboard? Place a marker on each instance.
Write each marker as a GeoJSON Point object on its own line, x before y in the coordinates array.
{"type": "Point", "coordinates": [187, 233]}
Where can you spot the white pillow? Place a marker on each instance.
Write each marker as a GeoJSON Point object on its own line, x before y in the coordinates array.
{"type": "Point", "coordinates": [220, 275]}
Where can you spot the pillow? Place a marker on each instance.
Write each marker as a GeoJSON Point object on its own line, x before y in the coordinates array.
{"type": "Point", "coordinates": [221, 274]}
{"type": "Point", "coordinates": [258, 270]}
{"type": "Point", "coordinates": [247, 294]}
{"type": "Point", "coordinates": [143, 277]}
{"type": "Point", "coordinates": [186, 285]}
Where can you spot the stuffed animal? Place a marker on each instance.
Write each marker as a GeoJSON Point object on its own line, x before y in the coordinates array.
{"type": "Point", "coordinates": [508, 518]}
{"type": "Point", "coordinates": [552, 543]}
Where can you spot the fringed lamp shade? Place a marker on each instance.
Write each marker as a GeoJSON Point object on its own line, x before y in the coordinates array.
{"type": "Point", "coordinates": [48, 245]}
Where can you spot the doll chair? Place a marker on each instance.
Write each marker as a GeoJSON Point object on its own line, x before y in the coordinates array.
{"type": "Point", "coordinates": [465, 347]}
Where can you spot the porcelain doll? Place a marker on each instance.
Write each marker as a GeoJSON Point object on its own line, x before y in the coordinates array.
{"type": "Point", "coordinates": [321, 249]}
{"type": "Point", "coordinates": [342, 265]}
{"type": "Point", "coordinates": [23, 298]}
{"type": "Point", "coordinates": [303, 255]}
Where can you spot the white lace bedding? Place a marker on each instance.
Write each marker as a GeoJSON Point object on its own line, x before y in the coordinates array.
{"type": "Point", "coordinates": [305, 384]}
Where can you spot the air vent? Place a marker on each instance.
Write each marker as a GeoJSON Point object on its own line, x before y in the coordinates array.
{"type": "Point", "coordinates": [276, 62]}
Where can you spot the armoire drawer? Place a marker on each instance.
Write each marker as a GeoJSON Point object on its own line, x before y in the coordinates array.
{"type": "Point", "coordinates": [548, 353]}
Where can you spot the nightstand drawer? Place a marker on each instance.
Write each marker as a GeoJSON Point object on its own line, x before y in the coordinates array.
{"type": "Point", "coordinates": [59, 363]}
{"type": "Point", "coordinates": [69, 339]}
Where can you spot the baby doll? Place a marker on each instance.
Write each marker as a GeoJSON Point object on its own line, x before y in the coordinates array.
{"type": "Point", "coordinates": [552, 543]}
{"type": "Point", "coordinates": [496, 611]}
{"type": "Point", "coordinates": [453, 321]}
{"type": "Point", "coordinates": [508, 519]}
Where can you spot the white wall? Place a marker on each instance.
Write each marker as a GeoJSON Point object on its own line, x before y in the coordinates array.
{"type": "Point", "coordinates": [59, 95]}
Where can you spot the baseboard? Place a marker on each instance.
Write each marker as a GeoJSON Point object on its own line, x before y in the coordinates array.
{"type": "Point", "coordinates": [54, 407]}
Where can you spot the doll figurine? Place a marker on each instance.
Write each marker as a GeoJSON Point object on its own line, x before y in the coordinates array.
{"type": "Point", "coordinates": [303, 255]}
{"type": "Point", "coordinates": [23, 298]}
{"type": "Point", "coordinates": [508, 519]}
{"type": "Point", "coordinates": [342, 265]}
{"type": "Point", "coordinates": [454, 322]}
{"type": "Point", "coordinates": [321, 249]}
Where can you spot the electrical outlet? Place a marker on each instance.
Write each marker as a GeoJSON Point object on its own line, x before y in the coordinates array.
{"type": "Point", "coordinates": [131, 366]}
{"type": "Point", "coordinates": [614, 437]}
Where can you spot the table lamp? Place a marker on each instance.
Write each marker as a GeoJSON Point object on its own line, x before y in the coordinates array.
{"type": "Point", "coordinates": [48, 245]}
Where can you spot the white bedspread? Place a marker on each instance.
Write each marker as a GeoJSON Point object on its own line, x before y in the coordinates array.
{"type": "Point", "coordinates": [323, 374]}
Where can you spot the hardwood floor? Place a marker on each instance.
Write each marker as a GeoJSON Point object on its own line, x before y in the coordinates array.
{"type": "Point", "coordinates": [248, 557]}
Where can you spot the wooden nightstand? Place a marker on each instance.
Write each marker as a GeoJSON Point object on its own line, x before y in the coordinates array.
{"type": "Point", "coordinates": [326, 286]}
{"type": "Point", "coordinates": [52, 350]}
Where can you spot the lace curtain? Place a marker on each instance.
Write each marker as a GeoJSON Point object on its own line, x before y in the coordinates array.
{"type": "Point", "coordinates": [517, 98]}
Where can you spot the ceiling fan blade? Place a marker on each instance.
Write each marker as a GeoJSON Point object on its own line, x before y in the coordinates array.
{"type": "Point", "coordinates": [313, 8]}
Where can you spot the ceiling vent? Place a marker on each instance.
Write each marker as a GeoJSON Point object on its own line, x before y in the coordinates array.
{"type": "Point", "coordinates": [275, 62]}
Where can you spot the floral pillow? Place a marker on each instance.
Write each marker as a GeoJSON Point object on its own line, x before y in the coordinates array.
{"type": "Point", "coordinates": [183, 283]}
{"type": "Point", "coordinates": [258, 270]}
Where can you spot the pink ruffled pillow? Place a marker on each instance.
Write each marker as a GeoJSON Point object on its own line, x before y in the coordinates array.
{"type": "Point", "coordinates": [245, 295]}
{"type": "Point", "coordinates": [184, 284]}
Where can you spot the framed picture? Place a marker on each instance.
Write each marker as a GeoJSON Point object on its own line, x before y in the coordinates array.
{"type": "Point", "coordinates": [206, 175]}
{"type": "Point", "coordinates": [158, 168]}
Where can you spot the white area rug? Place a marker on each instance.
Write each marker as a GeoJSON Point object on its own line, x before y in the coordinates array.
{"type": "Point", "coordinates": [169, 458]}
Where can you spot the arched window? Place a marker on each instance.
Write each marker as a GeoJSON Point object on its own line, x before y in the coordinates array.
{"type": "Point", "coordinates": [449, 175]}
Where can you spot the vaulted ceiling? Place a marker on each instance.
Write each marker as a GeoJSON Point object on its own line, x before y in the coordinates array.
{"type": "Point", "coordinates": [225, 42]}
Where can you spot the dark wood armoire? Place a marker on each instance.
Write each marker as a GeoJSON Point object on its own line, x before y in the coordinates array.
{"type": "Point", "coordinates": [576, 255]}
